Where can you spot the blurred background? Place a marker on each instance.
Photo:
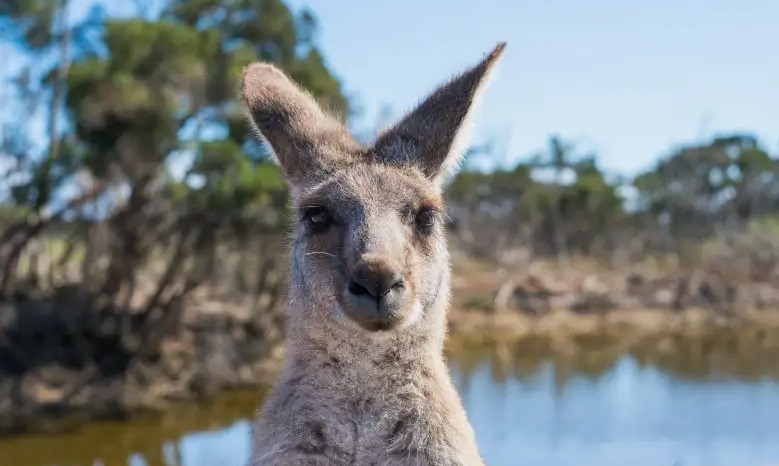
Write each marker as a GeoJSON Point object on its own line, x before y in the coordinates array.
{"type": "Point", "coordinates": [615, 228]}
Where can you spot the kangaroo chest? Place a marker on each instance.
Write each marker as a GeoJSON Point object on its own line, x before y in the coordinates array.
{"type": "Point", "coordinates": [378, 410]}
{"type": "Point", "coordinates": [369, 430]}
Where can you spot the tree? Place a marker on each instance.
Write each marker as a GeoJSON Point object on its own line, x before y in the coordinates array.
{"type": "Point", "coordinates": [150, 165]}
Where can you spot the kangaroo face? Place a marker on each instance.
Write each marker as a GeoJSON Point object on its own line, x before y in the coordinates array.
{"type": "Point", "coordinates": [374, 234]}
{"type": "Point", "coordinates": [369, 248]}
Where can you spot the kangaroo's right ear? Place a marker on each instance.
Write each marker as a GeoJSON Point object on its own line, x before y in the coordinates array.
{"type": "Point", "coordinates": [307, 143]}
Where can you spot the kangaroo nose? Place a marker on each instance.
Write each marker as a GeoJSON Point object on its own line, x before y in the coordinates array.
{"type": "Point", "coordinates": [375, 279]}
{"type": "Point", "coordinates": [376, 296]}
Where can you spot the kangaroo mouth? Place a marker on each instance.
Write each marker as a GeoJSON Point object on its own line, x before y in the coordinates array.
{"type": "Point", "coordinates": [378, 325]}
{"type": "Point", "coordinates": [375, 315]}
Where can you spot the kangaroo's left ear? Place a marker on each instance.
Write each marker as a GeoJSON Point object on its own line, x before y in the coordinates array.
{"type": "Point", "coordinates": [434, 135]}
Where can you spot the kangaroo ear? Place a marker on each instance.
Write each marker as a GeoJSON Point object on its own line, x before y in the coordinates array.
{"type": "Point", "coordinates": [434, 136]}
{"type": "Point", "coordinates": [306, 142]}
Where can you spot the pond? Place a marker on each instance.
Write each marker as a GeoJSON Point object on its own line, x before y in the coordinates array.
{"type": "Point", "coordinates": [694, 406]}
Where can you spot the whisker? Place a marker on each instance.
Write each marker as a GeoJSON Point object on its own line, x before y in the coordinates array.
{"type": "Point", "coordinates": [314, 253]}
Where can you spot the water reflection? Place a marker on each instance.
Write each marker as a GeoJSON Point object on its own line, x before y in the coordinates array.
{"type": "Point", "coordinates": [215, 433]}
{"type": "Point", "coordinates": [667, 402]}
{"type": "Point", "coordinates": [633, 415]}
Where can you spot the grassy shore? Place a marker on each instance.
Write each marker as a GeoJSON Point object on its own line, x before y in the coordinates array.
{"type": "Point", "coordinates": [579, 298]}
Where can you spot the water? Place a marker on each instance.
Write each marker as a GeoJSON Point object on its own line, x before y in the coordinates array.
{"type": "Point", "coordinates": [590, 408]}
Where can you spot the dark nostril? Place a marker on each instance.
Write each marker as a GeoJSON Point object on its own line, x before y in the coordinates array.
{"type": "Point", "coordinates": [358, 289]}
{"type": "Point", "coordinates": [376, 283]}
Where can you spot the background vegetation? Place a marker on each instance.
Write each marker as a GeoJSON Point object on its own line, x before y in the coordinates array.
{"type": "Point", "coordinates": [145, 183]}
{"type": "Point", "coordinates": [147, 166]}
{"type": "Point", "coordinates": [131, 190]}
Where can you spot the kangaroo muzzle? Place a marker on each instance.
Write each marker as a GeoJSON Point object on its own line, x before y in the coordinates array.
{"type": "Point", "coordinates": [377, 294]}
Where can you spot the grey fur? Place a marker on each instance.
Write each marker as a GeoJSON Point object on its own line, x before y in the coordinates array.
{"type": "Point", "coordinates": [347, 395]}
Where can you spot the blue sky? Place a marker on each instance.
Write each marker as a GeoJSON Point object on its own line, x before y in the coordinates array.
{"type": "Point", "coordinates": [627, 79]}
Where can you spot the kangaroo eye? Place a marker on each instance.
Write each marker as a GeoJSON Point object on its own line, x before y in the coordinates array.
{"type": "Point", "coordinates": [425, 220]}
{"type": "Point", "coordinates": [317, 218]}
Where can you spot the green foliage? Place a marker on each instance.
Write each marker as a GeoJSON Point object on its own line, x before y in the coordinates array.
{"type": "Point", "coordinates": [132, 96]}
{"type": "Point", "coordinates": [232, 182]}
{"type": "Point", "coordinates": [677, 205]}
{"type": "Point", "coordinates": [139, 95]}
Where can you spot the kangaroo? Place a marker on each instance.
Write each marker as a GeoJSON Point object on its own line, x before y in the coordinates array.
{"type": "Point", "coordinates": [364, 381]}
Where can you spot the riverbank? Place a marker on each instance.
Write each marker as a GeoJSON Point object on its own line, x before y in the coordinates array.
{"type": "Point", "coordinates": [556, 301]}
{"type": "Point", "coordinates": [62, 364]}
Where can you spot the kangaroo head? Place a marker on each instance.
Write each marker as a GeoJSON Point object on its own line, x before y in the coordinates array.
{"type": "Point", "coordinates": [369, 244]}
